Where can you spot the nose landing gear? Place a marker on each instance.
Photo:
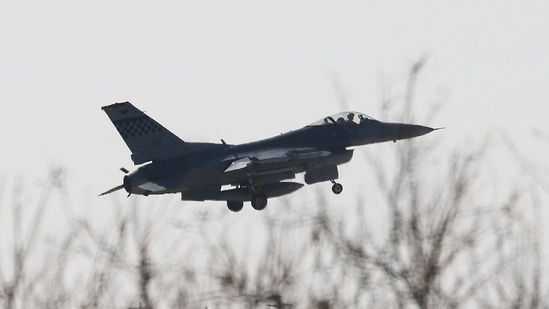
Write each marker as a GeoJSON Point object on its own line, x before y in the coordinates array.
{"type": "Point", "coordinates": [337, 188]}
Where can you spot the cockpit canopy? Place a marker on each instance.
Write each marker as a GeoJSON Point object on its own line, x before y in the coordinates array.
{"type": "Point", "coordinates": [344, 118]}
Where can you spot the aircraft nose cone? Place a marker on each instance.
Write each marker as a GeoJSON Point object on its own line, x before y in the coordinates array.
{"type": "Point", "coordinates": [412, 130]}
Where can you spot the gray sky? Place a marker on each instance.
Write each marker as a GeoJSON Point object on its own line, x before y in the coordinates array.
{"type": "Point", "coordinates": [243, 70]}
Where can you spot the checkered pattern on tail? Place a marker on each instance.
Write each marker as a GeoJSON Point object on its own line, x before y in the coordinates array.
{"type": "Point", "coordinates": [136, 127]}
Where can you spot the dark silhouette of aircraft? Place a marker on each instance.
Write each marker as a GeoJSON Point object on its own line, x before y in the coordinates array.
{"type": "Point", "coordinates": [257, 170]}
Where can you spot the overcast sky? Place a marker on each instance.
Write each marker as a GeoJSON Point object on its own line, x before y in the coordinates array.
{"type": "Point", "coordinates": [244, 70]}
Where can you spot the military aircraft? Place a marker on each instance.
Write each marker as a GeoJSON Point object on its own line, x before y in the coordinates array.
{"type": "Point", "coordinates": [252, 171]}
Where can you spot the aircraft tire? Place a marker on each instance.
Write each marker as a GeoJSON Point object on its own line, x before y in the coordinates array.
{"type": "Point", "coordinates": [235, 206]}
{"type": "Point", "coordinates": [337, 188]}
{"type": "Point", "coordinates": [259, 202]}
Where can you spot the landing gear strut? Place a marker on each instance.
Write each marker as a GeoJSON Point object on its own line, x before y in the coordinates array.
{"type": "Point", "coordinates": [337, 188]}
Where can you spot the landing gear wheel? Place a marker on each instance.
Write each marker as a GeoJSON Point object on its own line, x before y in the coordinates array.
{"type": "Point", "coordinates": [235, 206]}
{"type": "Point", "coordinates": [259, 202]}
{"type": "Point", "coordinates": [337, 188]}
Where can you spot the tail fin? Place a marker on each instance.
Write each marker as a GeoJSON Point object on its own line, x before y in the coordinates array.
{"type": "Point", "coordinates": [146, 138]}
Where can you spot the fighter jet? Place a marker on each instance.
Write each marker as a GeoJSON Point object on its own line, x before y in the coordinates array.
{"type": "Point", "coordinates": [254, 171]}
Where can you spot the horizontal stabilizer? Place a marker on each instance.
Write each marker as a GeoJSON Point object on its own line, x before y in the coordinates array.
{"type": "Point", "coordinates": [112, 190]}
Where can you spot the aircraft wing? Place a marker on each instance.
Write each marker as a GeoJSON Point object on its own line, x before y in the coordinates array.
{"type": "Point", "coordinates": [266, 167]}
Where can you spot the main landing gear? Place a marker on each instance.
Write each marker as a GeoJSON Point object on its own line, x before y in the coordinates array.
{"type": "Point", "coordinates": [259, 202]}
{"type": "Point", "coordinates": [337, 188]}
{"type": "Point", "coordinates": [235, 206]}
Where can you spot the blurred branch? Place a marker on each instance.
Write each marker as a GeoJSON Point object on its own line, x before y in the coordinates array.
{"type": "Point", "coordinates": [533, 171]}
{"type": "Point", "coordinates": [21, 288]}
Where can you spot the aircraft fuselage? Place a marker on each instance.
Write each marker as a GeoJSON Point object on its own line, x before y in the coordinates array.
{"type": "Point", "coordinates": [206, 168]}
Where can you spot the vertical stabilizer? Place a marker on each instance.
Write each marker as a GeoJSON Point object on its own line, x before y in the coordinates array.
{"type": "Point", "coordinates": [146, 138]}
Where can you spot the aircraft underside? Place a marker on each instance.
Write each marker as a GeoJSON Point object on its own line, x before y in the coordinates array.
{"type": "Point", "coordinates": [260, 180]}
